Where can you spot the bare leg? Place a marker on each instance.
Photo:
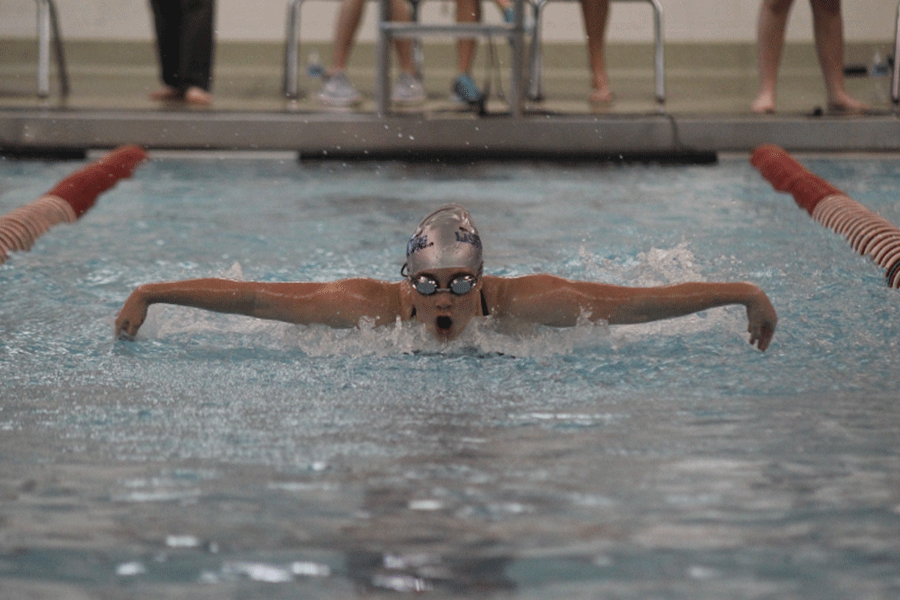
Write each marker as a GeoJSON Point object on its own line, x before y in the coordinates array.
{"type": "Point", "coordinates": [402, 12]}
{"type": "Point", "coordinates": [467, 11]}
{"type": "Point", "coordinates": [506, 7]}
{"type": "Point", "coordinates": [596, 15]}
{"type": "Point", "coordinates": [828, 27]}
{"type": "Point", "coordinates": [773, 19]}
{"type": "Point", "coordinates": [349, 16]}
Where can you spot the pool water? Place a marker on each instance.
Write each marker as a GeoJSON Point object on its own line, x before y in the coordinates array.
{"type": "Point", "coordinates": [222, 457]}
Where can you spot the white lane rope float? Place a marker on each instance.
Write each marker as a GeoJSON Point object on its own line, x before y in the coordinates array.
{"type": "Point", "coordinates": [867, 232]}
{"type": "Point", "coordinates": [67, 201]}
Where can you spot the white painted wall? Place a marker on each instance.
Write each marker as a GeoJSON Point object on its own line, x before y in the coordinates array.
{"type": "Point", "coordinates": [684, 20]}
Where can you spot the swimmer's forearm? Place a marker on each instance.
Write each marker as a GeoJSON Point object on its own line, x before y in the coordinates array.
{"type": "Point", "coordinates": [294, 302]}
{"type": "Point", "coordinates": [653, 304]}
{"type": "Point", "coordinates": [338, 303]}
{"type": "Point", "coordinates": [219, 295]}
{"type": "Point", "coordinates": [211, 294]}
{"type": "Point", "coordinates": [620, 306]}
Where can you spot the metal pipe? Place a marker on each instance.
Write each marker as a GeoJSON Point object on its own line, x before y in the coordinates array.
{"type": "Point", "coordinates": [385, 38]}
{"type": "Point", "coordinates": [517, 81]}
{"type": "Point", "coordinates": [535, 55]}
{"type": "Point", "coordinates": [895, 75]}
{"type": "Point", "coordinates": [292, 50]}
{"type": "Point", "coordinates": [60, 54]}
{"type": "Point", "coordinates": [412, 30]}
{"type": "Point", "coordinates": [43, 31]}
{"type": "Point", "coordinates": [659, 57]}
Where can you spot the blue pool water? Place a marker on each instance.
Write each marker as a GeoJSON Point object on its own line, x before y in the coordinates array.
{"type": "Point", "coordinates": [221, 457]}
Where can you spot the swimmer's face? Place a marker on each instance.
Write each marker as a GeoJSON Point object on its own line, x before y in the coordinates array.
{"type": "Point", "coordinates": [444, 313]}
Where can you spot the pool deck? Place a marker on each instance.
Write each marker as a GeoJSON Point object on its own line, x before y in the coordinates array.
{"type": "Point", "coordinates": [705, 112]}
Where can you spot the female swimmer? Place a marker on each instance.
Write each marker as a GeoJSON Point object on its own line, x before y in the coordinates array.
{"type": "Point", "coordinates": [444, 288]}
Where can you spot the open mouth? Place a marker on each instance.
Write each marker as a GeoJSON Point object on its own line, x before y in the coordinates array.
{"type": "Point", "coordinates": [444, 323]}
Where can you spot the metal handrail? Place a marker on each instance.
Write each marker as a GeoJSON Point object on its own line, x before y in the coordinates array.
{"type": "Point", "coordinates": [895, 74]}
{"type": "Point", "coordinates": [291, 85]}
{"type": "Point", "coordinates": [47, 28]}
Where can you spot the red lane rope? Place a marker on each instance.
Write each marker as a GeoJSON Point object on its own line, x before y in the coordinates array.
{"type": "Point", "coordinates": [68, 200]}
{"type": "Point", "coordinates": [868, 233]}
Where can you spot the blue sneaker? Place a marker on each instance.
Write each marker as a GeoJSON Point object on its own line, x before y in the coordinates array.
{"type": "Point", "coordinates": [466, 91]}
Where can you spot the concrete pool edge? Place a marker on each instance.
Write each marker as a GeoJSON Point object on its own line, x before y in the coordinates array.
{"type": "Point", "coordinates": [425, 135]}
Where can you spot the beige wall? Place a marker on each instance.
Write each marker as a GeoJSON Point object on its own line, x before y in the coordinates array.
{"type": "Point", "coordinates": [684, 20]}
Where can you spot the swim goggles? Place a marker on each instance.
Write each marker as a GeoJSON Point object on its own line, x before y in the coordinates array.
{"type": "Point", "coordinates": [459, 286]}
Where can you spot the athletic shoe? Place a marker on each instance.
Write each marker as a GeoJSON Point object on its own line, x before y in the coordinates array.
{"type": "Point", "coordinates": [466, 91]}
{"type": "Point", "coordinates": [339, 92]}
{"type": "Point", "coordinates": [408, 90]}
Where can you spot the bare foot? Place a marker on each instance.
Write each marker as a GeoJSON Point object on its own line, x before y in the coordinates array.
{"type": "Point", "coordinates": [197, 96]}
{"type": "Point", "coordinates": [165, 94]}
{"type": "Point", "coordinates": [602, 96]}
{"type": "Point", "coordinates": [845, 105]}
{"type": "Point", "coordinates": [764, 105]}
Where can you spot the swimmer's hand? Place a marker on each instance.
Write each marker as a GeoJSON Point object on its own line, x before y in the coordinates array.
{"type": "Point", "coordinates": [761, 319]}
{"type": "Point", "coordinates": [132, 316]}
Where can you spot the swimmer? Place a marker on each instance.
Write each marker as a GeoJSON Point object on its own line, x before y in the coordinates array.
{"type": "Point", "coordinates": [444, 288]}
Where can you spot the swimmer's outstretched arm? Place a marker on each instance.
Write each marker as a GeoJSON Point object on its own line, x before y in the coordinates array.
{"type": "Point", "coordinates": [338, 303]}
{"type": "Point", "coordinates": [559, 302]}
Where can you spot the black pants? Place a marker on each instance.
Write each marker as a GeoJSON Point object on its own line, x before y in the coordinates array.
{"type": "Point", "coordinates": [184, 37]}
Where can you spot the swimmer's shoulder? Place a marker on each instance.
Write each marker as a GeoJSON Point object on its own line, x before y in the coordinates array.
{"type": "Point", "coordinates": [502, 294]}
{"type": "Point", "coordinates": [400, 296]}
{"type": "Point", "coordinates": [382, 300]}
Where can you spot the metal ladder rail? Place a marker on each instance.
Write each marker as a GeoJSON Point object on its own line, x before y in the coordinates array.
{"type": "Point", "coordinates": [535, 60]}
{"type": "Point", "coordinates": [895, 72]}
{"type": "Point", "coordinates": [291, 83]}
{"type": "Point", "coordinates": [515, 31]}
{"type": "Point", "coordinates": [47, 29]}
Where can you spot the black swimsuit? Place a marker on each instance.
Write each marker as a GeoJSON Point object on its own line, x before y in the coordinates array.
{"type": "Point", "coordinates": [484, 307]}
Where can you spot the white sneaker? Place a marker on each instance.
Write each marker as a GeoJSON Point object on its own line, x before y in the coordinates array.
{"type": "Point", "coordinates": [408, 90]}
{"type": "Point", "coordinates": [339, 92]}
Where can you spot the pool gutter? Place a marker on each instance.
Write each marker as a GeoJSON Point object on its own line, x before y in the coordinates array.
{"type": "Point", "coordinates": [424, 135]}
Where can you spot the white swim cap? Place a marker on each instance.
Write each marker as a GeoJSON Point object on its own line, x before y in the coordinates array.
{"type": "Point", "coordinates": [445, 238]}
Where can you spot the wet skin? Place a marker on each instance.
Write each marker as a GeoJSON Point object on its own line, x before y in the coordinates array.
{"type": "Point", "coordinates": [445, 314]}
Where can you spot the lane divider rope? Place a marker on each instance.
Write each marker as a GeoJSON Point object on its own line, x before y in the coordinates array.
{"type": "Point", "coordinates": [67, 201]}
{"type": "Point", "coordinates": [868, 233]}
